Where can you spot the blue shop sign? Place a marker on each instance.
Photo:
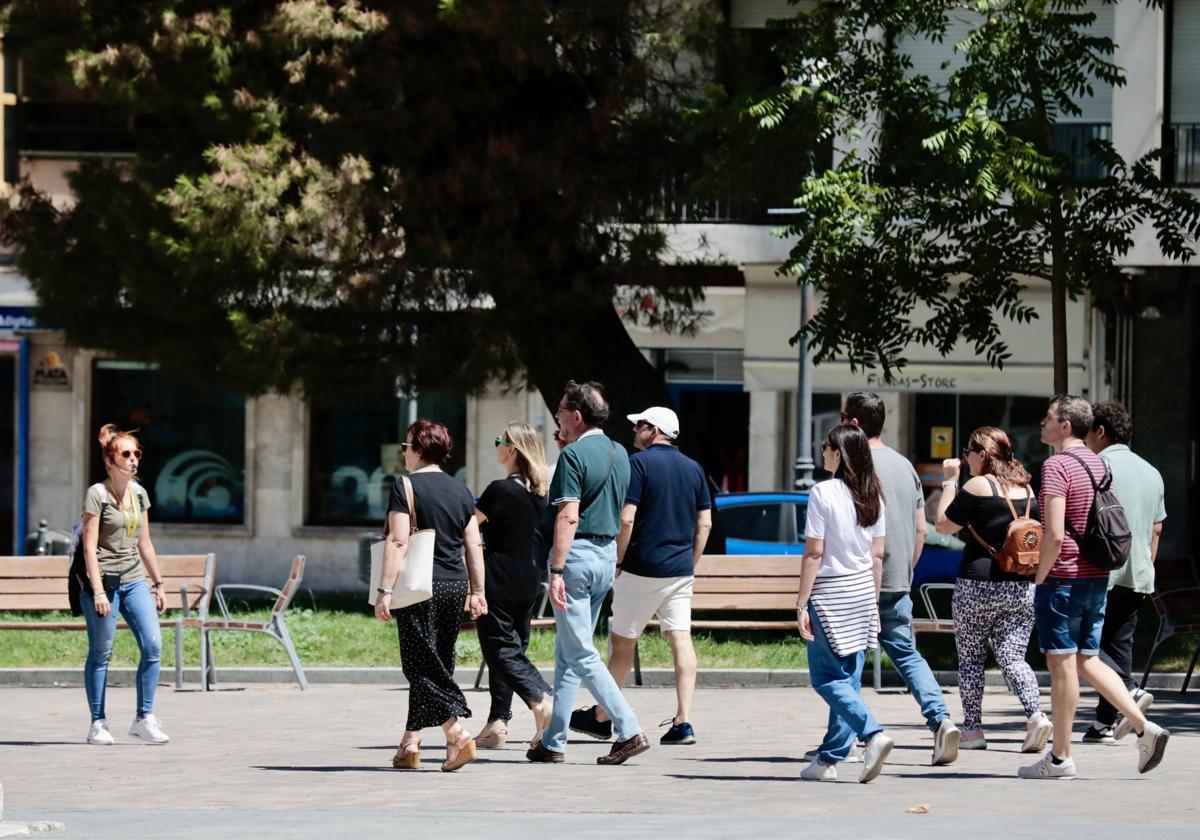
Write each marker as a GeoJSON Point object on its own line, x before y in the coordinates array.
{"type": "Point", "coordinates": [13, 318]}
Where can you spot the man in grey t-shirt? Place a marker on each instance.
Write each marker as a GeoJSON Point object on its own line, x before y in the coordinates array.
{"type": "Point", "coordinates": [904, 503]}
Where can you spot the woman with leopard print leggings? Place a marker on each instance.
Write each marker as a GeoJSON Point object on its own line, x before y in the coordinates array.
{"type": "Point", "coordinates": [990, 606]}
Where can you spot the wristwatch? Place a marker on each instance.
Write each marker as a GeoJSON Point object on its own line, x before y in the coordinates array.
{"type": "Point", "coordinates": [383, 590]}
{"type": "Point", "coordinates": [557, 571]}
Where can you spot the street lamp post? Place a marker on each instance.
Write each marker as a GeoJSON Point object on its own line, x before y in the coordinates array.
{"type": "Point", "coordinates": [803, 480]}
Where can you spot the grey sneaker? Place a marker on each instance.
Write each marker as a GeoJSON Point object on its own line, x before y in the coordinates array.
{"type": "Point", "coordinates": [1123, 726]}
{"type": "Point", "coordinates": [945, 743]}
{"type": "Point", "coordinates": [1152, 743]}
{"type": "Point", "coordinates": [1045, 768]}
{"type": "Point", "coordinates": [874, 755]}
{"type": "Point", "coordinates": [818, 772]}
{"type": "Point", "coordinates": [855, 756]}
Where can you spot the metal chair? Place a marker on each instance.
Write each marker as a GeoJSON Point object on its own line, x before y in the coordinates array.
{"type": "Point", "coordinates": [275, 627]}
{"type": "Point", "coordinates": [1177, 601]}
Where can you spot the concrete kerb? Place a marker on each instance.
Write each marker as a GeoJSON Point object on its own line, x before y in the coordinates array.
{"type": "Point", "coordinates": [24, 829]}
{"type": "Point", "coordinates": [651, 677]}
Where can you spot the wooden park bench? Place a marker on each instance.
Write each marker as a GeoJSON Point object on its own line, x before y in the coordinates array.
{"type": "Point", "coordinates": [39, 584]}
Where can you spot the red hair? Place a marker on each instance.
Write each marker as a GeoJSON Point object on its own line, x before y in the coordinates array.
{"type": "Point", "coordinates": [110, 438]}
{"type": "Point", "coordinates": [431, 440]}
{"type": "Point", "coordinates": [998, 458]}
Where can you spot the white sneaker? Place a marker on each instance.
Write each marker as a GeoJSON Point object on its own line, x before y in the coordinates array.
{"type": "Point", "coordinates": [1037, 733]}
{"type": "Point", "coordinates": [945, 743]}
{"type": "Point", "coordinates": [1045, 768]}
{"type": "Point", "coordinates": [99, 733]}
{"type": "Point", "coordinates": [1152, 743]}
{"type": "Point", "coordinates": [855, 756]}
{"type": "Point", "coordinates": [146, 729]}
{"type": "Point", "coordinates": [1124, 726]}
{"type": "Point", "coordinates": [874, 755]}
{"type": "Point", "coordinates": [818, 772]}
{"type": "Point", "coordinates": [973, 739]}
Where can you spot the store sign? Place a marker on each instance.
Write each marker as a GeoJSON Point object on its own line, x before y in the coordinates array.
{"type": "Point", "coordinates": [49, 371]}
{"type": "Point", "coordinates": [17, 318]}
{"type": "Point", "coordinates": [941, 441]}
{"type": "Point", "coordinates": [918, 382]}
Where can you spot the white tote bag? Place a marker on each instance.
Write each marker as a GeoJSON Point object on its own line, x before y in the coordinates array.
{"type": "Point", "coordinates": [414, 583]}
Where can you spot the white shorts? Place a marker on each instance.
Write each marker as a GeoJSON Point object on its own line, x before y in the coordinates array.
{"type": "Point", "coordinates": [636, 599]}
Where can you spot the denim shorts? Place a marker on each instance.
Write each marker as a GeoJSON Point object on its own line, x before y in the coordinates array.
{"type": "Point", "coordinates": [1070, 614]}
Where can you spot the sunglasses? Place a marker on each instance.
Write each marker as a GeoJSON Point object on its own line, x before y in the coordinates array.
{"type": "Point", "coordinates": [131, 453]}
{"type": "Point", "coordinates": [404, 447]}
{"type": "Point", "coordinates": [969, 451]}
{"type": "Point", "coordinates": [502, 442]}
{"type": "Point", "coordinates": [826, 445]}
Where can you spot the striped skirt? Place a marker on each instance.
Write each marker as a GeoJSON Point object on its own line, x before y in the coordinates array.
{"type": "Point", "coordinates": [848, 607]}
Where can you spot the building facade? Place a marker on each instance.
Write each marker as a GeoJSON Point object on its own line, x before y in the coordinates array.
{"type": "Point", "coordinates": [258, 479]}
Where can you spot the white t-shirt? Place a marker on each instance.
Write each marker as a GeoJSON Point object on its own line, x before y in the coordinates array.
{"type": "Point", "coordinates": [832, 518]}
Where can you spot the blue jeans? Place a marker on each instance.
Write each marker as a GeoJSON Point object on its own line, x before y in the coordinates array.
{"type": "Point", "coordinates": [1070, 615]}
{"type": "Point", "coordinates": [896, 639]}
{"type": "Point", "coordinates": [135, 603]}
{"type": "Point", "coordinates": [838, 680]}
{"type": "Point", "coordinates": [587, 577]}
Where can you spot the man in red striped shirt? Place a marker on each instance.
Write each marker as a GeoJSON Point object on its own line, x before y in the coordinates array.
{"type": "Point", "coordinates": [1071, 594]}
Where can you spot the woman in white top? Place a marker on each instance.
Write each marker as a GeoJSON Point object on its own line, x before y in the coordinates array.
{"type": "Point", "coordinates": [837, 605]}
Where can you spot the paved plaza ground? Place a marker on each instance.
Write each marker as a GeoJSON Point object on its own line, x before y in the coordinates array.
{"type": "Point", "coordinates": [275, 762]}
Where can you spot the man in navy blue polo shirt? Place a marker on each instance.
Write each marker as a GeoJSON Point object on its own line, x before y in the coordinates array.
{"type": "Point", "coordinates": [664, 525]}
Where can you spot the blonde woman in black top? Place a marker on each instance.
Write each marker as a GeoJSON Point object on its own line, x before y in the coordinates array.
{"type": "Point", "coordinates": [990, 606]}
{"type": "Point", "coordinates": [508, 512]}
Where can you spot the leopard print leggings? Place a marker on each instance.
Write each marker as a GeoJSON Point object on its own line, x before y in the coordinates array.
{"type": "Point", "coordinates": [999, 612]}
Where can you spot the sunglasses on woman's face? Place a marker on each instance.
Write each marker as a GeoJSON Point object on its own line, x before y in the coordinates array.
{"type": "Point", "coordinates": [131, 453]}
{"type": "Point", "coordinates": [826, 445]}
{"type": "Point", "coordinates": [502, 442]}
{"type": "Point", "coordinates": [404, 447]}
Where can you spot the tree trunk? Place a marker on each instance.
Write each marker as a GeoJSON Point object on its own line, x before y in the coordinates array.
{"type": "Point", "coordinates": [1058, 302]}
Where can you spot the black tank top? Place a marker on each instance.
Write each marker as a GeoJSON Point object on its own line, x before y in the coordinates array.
{"type": "Point", "coordinates": [990, 516]}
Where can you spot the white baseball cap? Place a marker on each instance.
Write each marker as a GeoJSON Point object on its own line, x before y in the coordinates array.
{"type": "Point", "coordinates": [664, 418]}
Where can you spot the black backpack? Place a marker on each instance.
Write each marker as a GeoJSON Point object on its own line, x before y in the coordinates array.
{"type": "Point", "coordinates": [1106, 539]}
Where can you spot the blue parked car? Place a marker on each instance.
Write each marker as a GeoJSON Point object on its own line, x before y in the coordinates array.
{"type": "Point", "coordinates": [773, 523]}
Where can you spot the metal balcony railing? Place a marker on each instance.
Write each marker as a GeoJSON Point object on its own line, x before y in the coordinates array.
{"type": "Point", "coordinates": [1182, 161]}
{"type": "Point", "coordinates": [1072, 139]}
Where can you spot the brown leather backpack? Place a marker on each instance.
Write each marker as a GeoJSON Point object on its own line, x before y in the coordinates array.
{"type": "Point", "coordinates": [1022, 544]}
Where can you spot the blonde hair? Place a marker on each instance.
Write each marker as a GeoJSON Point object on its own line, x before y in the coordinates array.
{"type": "Point", "coordinates": [531, 455]}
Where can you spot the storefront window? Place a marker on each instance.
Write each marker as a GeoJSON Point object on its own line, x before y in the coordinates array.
{"type": "Point", "coordinates": [354, 453]}
{"type": "Point", "coordinates": [194, 441]}
{"type": "Point", "coordinates": [943, 422]}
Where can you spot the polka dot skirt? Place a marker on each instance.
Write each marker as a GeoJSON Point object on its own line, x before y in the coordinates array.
{"type": "Point", "coordinates": [428, 631]}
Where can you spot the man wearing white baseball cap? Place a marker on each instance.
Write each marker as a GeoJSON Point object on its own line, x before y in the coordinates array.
{"type": "Point", "coordinates": [664, 525]}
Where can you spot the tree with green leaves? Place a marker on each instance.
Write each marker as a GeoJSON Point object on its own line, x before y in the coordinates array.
{"type": "Point", "coordinates": [343, 195]}
{"type": "Point", "coordinates": [954, 193]}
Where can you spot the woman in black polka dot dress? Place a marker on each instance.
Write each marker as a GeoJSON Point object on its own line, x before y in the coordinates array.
{"type": "Point", "coordinates": [428, 630]}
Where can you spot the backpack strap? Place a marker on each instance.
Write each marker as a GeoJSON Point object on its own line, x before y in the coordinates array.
{"type": "Point", "coordinates": [995, 485]}
{"type": "Point", "coordinates": [1097, 487]}
{"type": "Point", "coordinates": [991, 551]}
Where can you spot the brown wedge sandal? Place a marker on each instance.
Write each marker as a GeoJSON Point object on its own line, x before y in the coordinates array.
{"type": "Point", "coordinates": [459, 752]}
{"type": "Point", "coordinates": [408, 756]}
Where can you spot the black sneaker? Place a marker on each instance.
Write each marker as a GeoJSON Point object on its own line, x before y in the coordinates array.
{"type": "Point", "coordinates": [679, 734]}
{"type": "Point", "coordinates": [1099, 735]}
{"type": "Point", "coordinates": [539, 754]}
{"type": "Point", "coordinates": [584, 722]}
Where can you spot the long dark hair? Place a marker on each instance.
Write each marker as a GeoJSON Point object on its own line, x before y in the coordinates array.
{"type": "Point", "coordinates": [858, 471]}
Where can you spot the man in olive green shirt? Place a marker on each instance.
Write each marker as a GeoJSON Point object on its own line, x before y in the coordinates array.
{"type": "Point", "coordinates": [588, 489]}
{"type": "Point", "coordinates": [1139, 488]}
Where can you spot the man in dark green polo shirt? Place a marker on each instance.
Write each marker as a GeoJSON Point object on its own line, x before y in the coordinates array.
{"type": "Point", "coordinates": [588, 487]}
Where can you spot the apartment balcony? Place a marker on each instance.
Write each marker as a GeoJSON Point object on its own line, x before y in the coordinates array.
{"type": "Point", "coordinates": [742, 193]}
{"type": "Point", "coordinates": [1072, 141]}
{"type": "Point", "coordinates": [1181, 164]}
